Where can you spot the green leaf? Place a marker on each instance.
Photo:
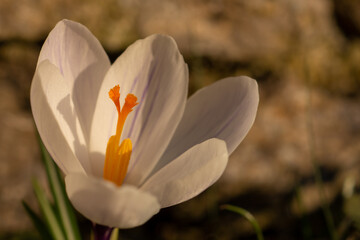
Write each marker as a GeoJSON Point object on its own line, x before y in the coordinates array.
{"type": "Point", "coordinates": [352, 209]}
{"type": "Point", "coordinates": [38, 222]}
{"type": "Point", "coordinates": [50, 218]}
{"type": "Point", "coordinates": [246, 214]}
{"type": "Point", "coordinates": [62, 204]}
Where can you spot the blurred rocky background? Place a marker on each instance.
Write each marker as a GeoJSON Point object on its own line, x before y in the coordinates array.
{"type": "Point", "coordinates": [306, 57]}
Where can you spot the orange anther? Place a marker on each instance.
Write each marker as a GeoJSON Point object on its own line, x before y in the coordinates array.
{"type": "Point", "coordinates": [114, 94]}
{"type": "Point", "coordinates": [118, 156]}
{"type": "Point", "coordinates": [130, 103]}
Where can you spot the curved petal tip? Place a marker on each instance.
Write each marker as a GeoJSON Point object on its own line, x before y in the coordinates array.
{"type": "Point", "coordinates": [104, 203]}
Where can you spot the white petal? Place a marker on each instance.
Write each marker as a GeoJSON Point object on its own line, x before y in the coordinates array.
{"type": "Point", "coordinates": [83, 63]}
{"type": "Point", "coordinates": [50, 104]}
{"type": "Point", "coordinates": [224, 110]}
{"type": "Point", "coordinates": [104, 203]}
{"type": "Point", "coordinates": [154, 71]}
{"type": "Point", "coordinates": [189, 174]}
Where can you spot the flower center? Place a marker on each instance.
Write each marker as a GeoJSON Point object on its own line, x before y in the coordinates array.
{"type": "Point", "coordinates": [117, 155]}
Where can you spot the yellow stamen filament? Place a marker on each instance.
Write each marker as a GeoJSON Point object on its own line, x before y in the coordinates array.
{"type": "Point", "coordinates": [117, 156]}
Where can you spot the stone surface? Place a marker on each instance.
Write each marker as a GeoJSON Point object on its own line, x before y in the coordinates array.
{"type": "Point", "coordinates": [20, 159]}
{"type": "Point", "coordinates": [294, 127]}
{"type": "Point", "coordinates": [32, 20]}
{"type": "Point", "coordinates": [271, 36]}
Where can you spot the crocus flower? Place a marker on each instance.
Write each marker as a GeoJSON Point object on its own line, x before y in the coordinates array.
{"type": "Point", "coordinates": [125, 135]}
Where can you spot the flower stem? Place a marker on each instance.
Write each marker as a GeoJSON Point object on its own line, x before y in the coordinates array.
{"type": "Point", "coordinates": [102, 232]}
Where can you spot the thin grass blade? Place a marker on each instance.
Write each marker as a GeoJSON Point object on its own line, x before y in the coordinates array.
{"type": "Point", "coordinates": [38, 222]}
{"type": "Point", "coordinates": [50, 217]}
{"type": "Point", "coordinates": [62, 204]}
{"type": "Point", "coordinates": [246, 214]}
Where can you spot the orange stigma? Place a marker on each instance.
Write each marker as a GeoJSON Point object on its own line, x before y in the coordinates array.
{"type": "Point", "coordinates": [117, 155]}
